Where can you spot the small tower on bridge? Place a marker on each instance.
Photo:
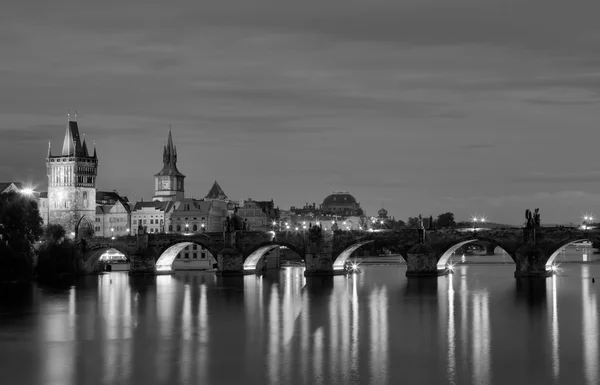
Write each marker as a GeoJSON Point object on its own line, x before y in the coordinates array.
{"type": "Point", "coordinates": [168, 183]}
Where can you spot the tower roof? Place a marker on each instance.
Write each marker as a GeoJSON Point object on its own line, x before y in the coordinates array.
{"type": "Point", "coordinates": [216, 192]}
{"type": "Point", "coordinates": [72, 142]}
{"type": "Point", "coordinates": [169, 159]}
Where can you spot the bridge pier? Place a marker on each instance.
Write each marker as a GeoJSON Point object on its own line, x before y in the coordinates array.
{"type": "Point", "coordinates": [422, 261]}
{"type": "Point", "coordinates": [321, 264]}
{"type": "Point", "coordinates": [531, 263]}
{"type": "Point", "coordinates": [230, 262]}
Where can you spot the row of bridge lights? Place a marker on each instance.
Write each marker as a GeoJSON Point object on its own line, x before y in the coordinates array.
{"type": "Point", "coordinates": [304, 227]}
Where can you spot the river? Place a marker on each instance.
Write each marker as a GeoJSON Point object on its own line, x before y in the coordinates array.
{"type": "Point", "coordinates": [477, 326]}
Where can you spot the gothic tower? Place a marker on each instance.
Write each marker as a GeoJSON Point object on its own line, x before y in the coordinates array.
{"type": "Point", "coordinates": [168, 183]}
{"type": "Point", "coordinates": [72, 184]}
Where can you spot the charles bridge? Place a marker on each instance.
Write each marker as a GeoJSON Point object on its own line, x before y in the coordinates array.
{"type": "Point", "coordinates": [426, 252]}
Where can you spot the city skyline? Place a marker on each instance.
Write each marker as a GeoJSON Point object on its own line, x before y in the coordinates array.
{"type": "Point", "coordinates": [424, 107]}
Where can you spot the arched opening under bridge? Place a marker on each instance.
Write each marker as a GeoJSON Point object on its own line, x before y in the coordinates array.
{"type": "Point", "coordinates": [273, 256]}
{"type": "Point", "coordinates": [566, 253]}
{"type": "Point", "coordinates": [443, 261]}
{"type": "Point", "coordinates": [186, 256]}
{"type": "Point", "coordinates": [99, 259]}
{"type": "Point", "coordinates": [340, 262]}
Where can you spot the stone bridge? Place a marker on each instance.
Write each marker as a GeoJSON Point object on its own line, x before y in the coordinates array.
{"type": "Point", "coordinates": [325, 252]}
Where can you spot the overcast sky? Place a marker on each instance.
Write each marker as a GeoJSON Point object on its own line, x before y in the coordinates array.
{"type": "Point", "coordinates": [426, 106]}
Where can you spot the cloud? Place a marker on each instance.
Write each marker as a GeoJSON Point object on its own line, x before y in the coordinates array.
{"type": "Point", "coordinates": [592, 176]}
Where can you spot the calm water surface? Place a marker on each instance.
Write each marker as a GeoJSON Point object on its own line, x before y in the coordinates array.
{"type": "Point", "coordinates": [477, 326]}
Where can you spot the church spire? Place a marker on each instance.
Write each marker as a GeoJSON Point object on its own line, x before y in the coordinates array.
{"type": "Point", "coordinates": [49, 149]}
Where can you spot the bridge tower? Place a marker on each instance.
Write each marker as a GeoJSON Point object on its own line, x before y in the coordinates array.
{"type": "Point", "coordinates": [168, 183]}
{"type": "Point", "coordinates": [72, 183]}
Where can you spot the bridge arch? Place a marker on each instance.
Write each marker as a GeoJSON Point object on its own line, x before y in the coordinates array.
{"type": "Point", "coordinates": [449, 250]}
{"type": "Point", "coordinates": [84, 227]}
{"type": "Point", "coordinates": [557, 251]}
{"type": "Point", "coordinates": [340, 261]}
{"type": "Point", "coordinates": [251, 261]}
{"type": "Point", "coordinates": [170, 252]}
{"type": "Point", "coordinates": [91, 261]}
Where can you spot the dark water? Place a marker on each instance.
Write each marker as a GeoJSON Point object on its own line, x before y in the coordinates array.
{"type": "Point", "coordinates": [478, 326]}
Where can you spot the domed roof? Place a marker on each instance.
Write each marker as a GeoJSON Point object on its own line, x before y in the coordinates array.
{"type": "Point", "coordinates": [339, 198]}
{"type": "Point", "coordinates": [382, 212]}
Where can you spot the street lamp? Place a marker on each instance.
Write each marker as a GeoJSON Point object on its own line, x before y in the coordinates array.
{"type": "Point", "coordinates": [475, 219]}
{"type": "Point", "coordinates": [112, 231]}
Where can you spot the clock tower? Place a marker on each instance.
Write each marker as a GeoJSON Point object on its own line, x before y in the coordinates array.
{"type": "Point", "coordinates": [168, 183]}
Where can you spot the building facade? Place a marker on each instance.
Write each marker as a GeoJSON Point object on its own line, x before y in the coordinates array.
{"type": "Point", "coordinates": [341, 203]}
{"type": "Point", "coordinates": [194, 257]}
{"type": "Point", "coordinates": [72, 184]}
{"type": "Point", "coordinates": [149, 217]}
{"type": "Point", "coordinates": [113, 215]}
{"type": "Point", "coordinates": [169, 182]}
{"type": "Point", "coordinates": [260, 215]}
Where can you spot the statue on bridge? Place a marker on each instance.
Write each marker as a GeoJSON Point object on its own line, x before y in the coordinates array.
{"type": "Point", "coordinates": [533, 223]}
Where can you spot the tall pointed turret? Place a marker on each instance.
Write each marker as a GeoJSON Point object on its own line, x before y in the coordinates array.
{"type": "Point", "coordinates": [49, 149]}
{"type": "Point", "coordinates": [169, 181]}
{"type": "Point", "coordinates": [95, 156]}
{"type": "Point", "coordinates": [84, 149]}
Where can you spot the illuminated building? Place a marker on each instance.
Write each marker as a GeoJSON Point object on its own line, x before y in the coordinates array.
{"type": "Point", "coordinates": [72, 184]}
{"type": "Point", "coordinates": [259, 214]}
{"type": "Point", "coordinates": [168, 183]}
{"type": "Point", "coordinates": [113, 215]}
{"type": "Point", "coordinates": [341, 203]}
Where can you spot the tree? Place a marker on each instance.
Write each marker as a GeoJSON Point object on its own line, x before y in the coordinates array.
{"type": "Point", "coordinates": [54, 233]}
{"type": "Point", "coordinates": [412, 222]}
{"type": "Point", "coordinates": [446, 220]}
{"type": "Point", "coordinates": [20, 229]}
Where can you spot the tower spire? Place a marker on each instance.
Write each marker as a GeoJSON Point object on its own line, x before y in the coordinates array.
{"type": "Point", "coordinates": [49, 149]}
{"type": "Point", "coordinates": [84, 148]}
{"type": "Point", "coordinates": [68, 146]}
{"type": "Point", "coordinates": [94, 156]}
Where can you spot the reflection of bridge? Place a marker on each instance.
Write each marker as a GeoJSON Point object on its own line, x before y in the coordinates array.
{"type": "Point", "coordinates": [325, 252]}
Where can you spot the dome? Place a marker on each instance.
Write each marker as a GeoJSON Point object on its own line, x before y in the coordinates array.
{"type": "Point", "coordinates": [382, 212]}
{"type": "Point", "coordinates": [339, 198]}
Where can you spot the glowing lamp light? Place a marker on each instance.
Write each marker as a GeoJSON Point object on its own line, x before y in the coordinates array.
{"type": "Point", "coordinates": [287, 227]}
{"type": "Point", "coordinates": [553, 268]}
{"type": "Point", "coordinates": [27, 191]}
{"type": "Point", "coordinates": [354, 266]}
{"type": "Point", "coordinates": [112, 229]}
{"type": "Point", "coordinates": [128, 230]}
{"type": "Point", "coordinates": [113, 238]}
{"type": "Point", "coordinates": [371, 230]}
{"type": "Point", "coordinates": [296, 229]}
{"type": "Point", "coordinates": [304, 227]}
{"type": "Point", "coordinates": [450, 267]}
{"type": "Point", "coordinates": [274, 223]}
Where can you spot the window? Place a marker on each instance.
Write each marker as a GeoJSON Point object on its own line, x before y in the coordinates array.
{"type": "Point", "coordinates": [178, 227]}
{"type": "Point", "coordinates": [194, 247]}
{"type": "Point", "coordinates": [151, 221]}
{"type": "Point", "coordinates": [85, 199]}
{"type": "Point", "coordinates": [135, 221]}
{"type": "Point", "coordinates": [187, 256]}
{"type": "Point", "coordinates": [195, 255]}
{"type": "Point", "coordinates": [202, 255]}
{"type": "Point", "coordinates": [170, 227]}
{"type": "Point", "coordinates": [195, 227]}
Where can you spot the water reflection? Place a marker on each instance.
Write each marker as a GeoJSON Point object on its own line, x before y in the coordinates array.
{"type": "Point", "coordinates": [375, 327]}
{"type": "Point", "coordinates": [590, 328]}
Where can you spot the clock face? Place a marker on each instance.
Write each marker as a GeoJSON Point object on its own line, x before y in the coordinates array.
{"type": "Point", "coordinates": [166, 184]}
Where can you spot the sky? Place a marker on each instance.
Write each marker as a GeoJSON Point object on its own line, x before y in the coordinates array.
{"type": "Point", "coordinates": [422, 106]}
